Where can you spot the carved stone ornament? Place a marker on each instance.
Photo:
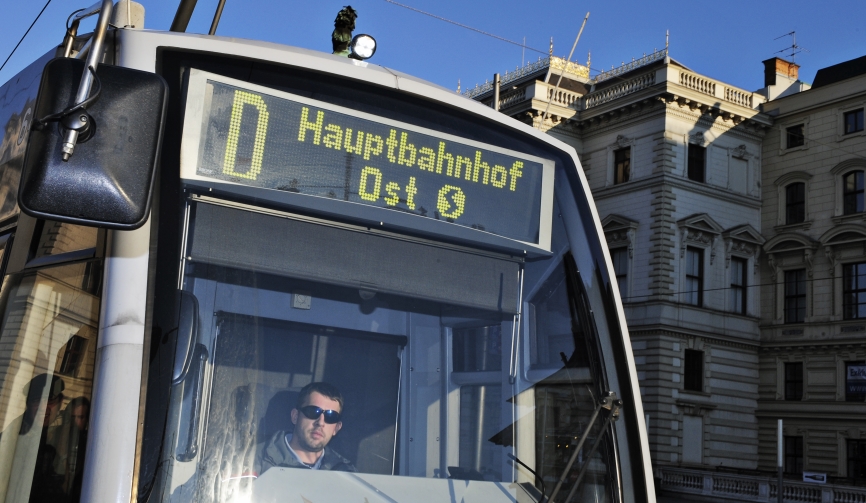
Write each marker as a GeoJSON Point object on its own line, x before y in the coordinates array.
{"type": "Point", "coordinates": [833, 258]}
{"type": "Point", "coordinates": [738, 247]}
{"type": "Point", "coordinates": [700, 238]}
{"type": "Point", "coordinates": [774, 267]}
{"type": "Point", "coordinates": [740, 153]}
{"type": "Point", "coordinates": [807, 257]}
{"type": "Point", "coordinates": [622, 236]}
{"type": "Point", "coordinates": [622, 141]}
{"type": "Point", "coordinates": [698, 139]}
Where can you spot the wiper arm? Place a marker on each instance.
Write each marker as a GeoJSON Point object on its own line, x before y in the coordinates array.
{"type": "Point", "coordinates": [613, 415]}
{"type": "Point", "coordinates": [609, 402]}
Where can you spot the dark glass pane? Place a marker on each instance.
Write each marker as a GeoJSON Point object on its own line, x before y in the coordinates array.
{"type": "Point", "coordinates": [795, 136]}
{"type": "Point", "coordinates": [694, 370]}
{"type": "Point", "coordinates": [622, 165]}
{"type": "Point", "coordinates": [477, 349]}
{"type": "Point", "coordinates": [795, 203]}
{"type": "Point", "coordinates": [697, 162]}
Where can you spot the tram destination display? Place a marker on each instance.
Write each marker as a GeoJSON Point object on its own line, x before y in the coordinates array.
{"type": "Point", "coordinates": [246, 134]}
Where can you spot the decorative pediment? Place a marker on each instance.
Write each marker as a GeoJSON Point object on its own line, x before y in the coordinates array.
{"type": "Point", "coordinates": [620, 230]}
{"type": "Point", "coordinates": [698, 139]}
{"type": "Point", "coordinates": [790, 242]}
{"type": "Point", "coordinates": [743, 240]}
{"type": "Point", "coordinates": [741, 153]}
{"type": "Point", "coordinates": [700, 230]}
{"type": "Point", "coordinates": [622, 142]}
{"type": "Point", "coordinates": [839, 237]}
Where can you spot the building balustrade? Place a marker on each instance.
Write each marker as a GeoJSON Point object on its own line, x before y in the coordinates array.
{"type": "Point", "coordinates": [698, 83]}
{"type": "Point", "coordinates": [611, 93]}
{"type": "Point", "coordinates": [755, 488]}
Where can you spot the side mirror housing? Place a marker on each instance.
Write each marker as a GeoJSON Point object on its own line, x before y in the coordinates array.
{"type": "Point", "coordinates": [108, 182]}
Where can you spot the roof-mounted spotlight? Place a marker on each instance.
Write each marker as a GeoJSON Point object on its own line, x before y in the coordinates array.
{"type": "Point", "coordinates": [362, 47]}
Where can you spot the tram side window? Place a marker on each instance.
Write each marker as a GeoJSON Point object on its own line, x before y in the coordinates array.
{"type": "Point", "coordinates": [553, 340]}
{"type": "Point", "coordinates": [47, 352]}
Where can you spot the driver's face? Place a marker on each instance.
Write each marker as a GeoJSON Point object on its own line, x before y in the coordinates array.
{"type": "Point", "coordinates": [313, 435]}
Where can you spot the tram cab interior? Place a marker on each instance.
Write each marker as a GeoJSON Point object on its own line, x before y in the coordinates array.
{"type": "Point", "coordinates": [420, 337]}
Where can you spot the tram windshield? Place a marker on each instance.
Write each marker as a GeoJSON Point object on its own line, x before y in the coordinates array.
{"type": "Point", "coordinates": [419, 350]}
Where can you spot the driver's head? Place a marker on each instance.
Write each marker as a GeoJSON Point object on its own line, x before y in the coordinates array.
{"type": "Point", "coordinates": [317, 416]}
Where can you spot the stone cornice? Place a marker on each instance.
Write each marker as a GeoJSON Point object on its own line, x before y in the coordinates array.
{"type": "Point", "coordinates": [673, 332]}
{"type": "Point", "coordinates": [678, 182]}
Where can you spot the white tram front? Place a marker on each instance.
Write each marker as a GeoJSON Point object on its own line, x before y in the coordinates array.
{"type": "Point", "coordinates": [312, 219]}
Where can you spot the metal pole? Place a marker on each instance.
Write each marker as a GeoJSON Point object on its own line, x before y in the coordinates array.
{"type": "Point", "coordinates": [779, 458]}
{"type": "Point", "coordinates": [181, 17]}
{"type": "Point", "coordinates": [216, 17]}
{"type": "Point", "coordinates": [496, 83]}
{"type": "Point", "coordinates": [559, 81]}
{"type": "Point", "coordinates": [71, 136]}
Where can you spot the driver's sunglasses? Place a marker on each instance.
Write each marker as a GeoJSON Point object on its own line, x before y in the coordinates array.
{"type": "Point", "coordinates": [313, 412]}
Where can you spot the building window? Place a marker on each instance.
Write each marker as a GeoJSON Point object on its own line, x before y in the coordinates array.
{"type": "Point", "coordinates": [620, 268]}
{"type": "Point", "coordinates": [697, 162]}
{"type": "Point", "coordinates": [622, 165]}
{"type": "Point", "coordinates": [73, 356]}
{"type": "Point", "coordinates": [794, 136]}
{"type": "Point", "coordinates": [794, 381]}
{"type": "Point", "coordinates": [852, 192]}
{"type": "Point", "coordinates": [855, 381]}
{"type": "Point", "coordinates": [694, 276]}
{"type": "Point", "coordinates": [854, 290]}
{"type": "Point", "coordinates": [795, 203]}
{"type": "Point", "coordinates": [857, 460]}
{"type": "Point", "coordinates": [793, 455]}
{"type": "Point", "coordinates": [738, 285]}
{"type": "Point", "coordinates": [795, 296]}
{"type": "Point", "coordinates": [853, 121]}
{"type": "Point", "coordinates": [694, 370]}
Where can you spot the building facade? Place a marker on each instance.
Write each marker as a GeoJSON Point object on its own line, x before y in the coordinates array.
{"type": "Point", "coordinates": [673, 160]}
{"type": "Point", "coordinates": [813, 315]}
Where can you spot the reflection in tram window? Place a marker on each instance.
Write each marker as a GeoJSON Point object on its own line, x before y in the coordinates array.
{"type": "Point", "coordinates": [480, 421]}
{"type": "Point", "coordinates": [477, 349]}
{"type": "Point", "coordinates": [47, 349]}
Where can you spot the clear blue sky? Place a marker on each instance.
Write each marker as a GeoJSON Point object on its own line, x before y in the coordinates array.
{"type": "Point", "coordinates": [724, 40]}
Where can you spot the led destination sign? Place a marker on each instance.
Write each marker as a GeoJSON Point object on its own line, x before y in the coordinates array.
{"type": "Point", "coordinates": [246, 134]}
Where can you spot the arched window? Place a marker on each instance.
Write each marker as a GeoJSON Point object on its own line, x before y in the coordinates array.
{"type": "Point", "coordinates": [852, 193]}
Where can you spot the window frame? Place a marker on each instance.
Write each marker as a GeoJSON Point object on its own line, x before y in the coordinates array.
{"type": "Point", "coordinates": [796, 296]}
{"type": "Point", "coordinates": [618, 177]}
{"type": "Point", "coordinates": [799, 204]}
{"type": "Point", "coordinates": [793, 443]}
{"type": "Point", "coordinates": [846, 193]}
{"type": "Point", "coordinates": [693, 159]}
{"type": "Point", "coordinates": [848, 292]}
{"type": "Point", "coordinates": [693, 370]}
{"type": "Point", "coordinates": [698, 278]}
{"type": "Point", "coordinates": [852, 113]}
{"type": "Point", "coordinates": [741, 288]}
{"type": "Point", "coordinates": [793, 381]}
{"type": "Point", "coordinates": [792, 138]}
{"type": "Point", "coordinates": [783, 135]}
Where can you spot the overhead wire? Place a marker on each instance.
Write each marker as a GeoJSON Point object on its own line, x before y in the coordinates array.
{"type": "Point", "coordinates": [25, 35]}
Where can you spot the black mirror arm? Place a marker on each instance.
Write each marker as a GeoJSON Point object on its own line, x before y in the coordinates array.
{"type": "Point", "coordinates": [40, 124]}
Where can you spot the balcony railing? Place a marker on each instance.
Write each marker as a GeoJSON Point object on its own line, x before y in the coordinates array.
{"type": "Point", "coordinates": [754, 488]}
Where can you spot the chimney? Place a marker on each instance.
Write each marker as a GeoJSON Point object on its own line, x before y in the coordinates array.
{"type": "Point", "coordinates": [779, 67]}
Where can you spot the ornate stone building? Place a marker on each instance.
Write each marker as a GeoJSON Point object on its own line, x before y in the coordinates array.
{"type": "Point", "coordinates": [813, 319]}
{"type": "Point", "coordinates": [673, 160]}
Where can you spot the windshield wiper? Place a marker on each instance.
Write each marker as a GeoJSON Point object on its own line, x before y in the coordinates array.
{"type": "Point", "coordinates": [612, 405]}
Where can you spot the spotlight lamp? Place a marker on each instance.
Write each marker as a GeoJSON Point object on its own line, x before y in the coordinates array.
{"type": "Point", "coordinates": [362, 47]}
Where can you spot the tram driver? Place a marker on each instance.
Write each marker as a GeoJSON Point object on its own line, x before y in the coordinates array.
{"type": "Point", "coordinates": [317, 418]}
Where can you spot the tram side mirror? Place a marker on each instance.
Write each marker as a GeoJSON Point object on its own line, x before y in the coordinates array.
{"type": "Point", "coordinates": [108, 181]}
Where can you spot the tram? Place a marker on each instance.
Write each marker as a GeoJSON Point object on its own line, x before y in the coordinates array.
{"type": "Point", "coordinates": [215, 225]}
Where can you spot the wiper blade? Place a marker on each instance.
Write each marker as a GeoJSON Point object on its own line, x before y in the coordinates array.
{"type": "Point", "coordinates": [613, 405]}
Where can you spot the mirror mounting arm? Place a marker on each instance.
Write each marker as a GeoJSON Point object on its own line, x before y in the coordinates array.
{"type": "Point", "coordinates": [70, 136]}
